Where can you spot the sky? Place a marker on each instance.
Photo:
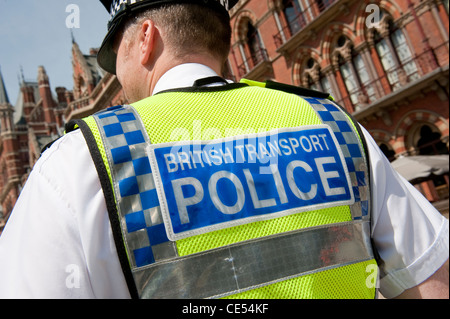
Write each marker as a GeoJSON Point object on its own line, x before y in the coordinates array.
{"type": "Point", "coordinates": [38, 32]}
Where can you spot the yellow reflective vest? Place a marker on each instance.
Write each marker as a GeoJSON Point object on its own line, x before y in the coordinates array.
{"type": "Point", "coordinates": [246, 190]}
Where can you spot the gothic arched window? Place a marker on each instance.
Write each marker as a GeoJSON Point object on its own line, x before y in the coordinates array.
{"type": "Point", "coordinates": [353, 69]}
{"type": "Point", "coordinates": [293, 13]}
{"type": "Point", "coordinates": [251, 48]}
{"type": "Point", "coordinates": [430, 142]}
{"type": "Point", "coordinates": [314, 78]}
{"type": "Point", "coordinates": [394, 52]}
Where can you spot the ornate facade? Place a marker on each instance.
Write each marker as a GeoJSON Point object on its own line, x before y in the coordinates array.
{"type": "Point", "coordinates": [34, 121]}
{"type": "Point", "coordinates": [93, 89]}
{"type": "Point", "coordinates": [39, 116]}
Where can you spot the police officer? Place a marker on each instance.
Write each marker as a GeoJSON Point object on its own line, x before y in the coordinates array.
{"type": "Point", "coordinates": [204, 188]}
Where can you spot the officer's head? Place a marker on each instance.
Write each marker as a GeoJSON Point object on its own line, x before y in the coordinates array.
{"type": "Point", "coordinates": [187, 26]}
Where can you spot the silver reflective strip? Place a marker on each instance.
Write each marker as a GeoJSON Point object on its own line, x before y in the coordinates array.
{"type": "Point", "coordinates": [240, 267]}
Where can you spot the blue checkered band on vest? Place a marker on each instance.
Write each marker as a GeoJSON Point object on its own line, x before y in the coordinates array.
{"type": "Point", "coordinates": [351, 147]}
{"type": "Point", "coordinates": [140, 216]}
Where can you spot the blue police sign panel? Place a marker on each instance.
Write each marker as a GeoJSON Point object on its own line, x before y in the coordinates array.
{"type": "Point", "coordinates": [209, 185]}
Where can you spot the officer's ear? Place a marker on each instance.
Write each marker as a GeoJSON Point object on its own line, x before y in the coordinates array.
{"type": "Point", "coordinates": [146, 40]}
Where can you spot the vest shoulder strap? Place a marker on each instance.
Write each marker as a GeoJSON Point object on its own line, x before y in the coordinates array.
{"type": "Point", "coordinates": [69, 127]}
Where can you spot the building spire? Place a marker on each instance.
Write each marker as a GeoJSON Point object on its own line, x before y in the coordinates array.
{"type": "Point", "coordinates": [22, 77]}
{"type": "Point", "coordinates": [3, 94]}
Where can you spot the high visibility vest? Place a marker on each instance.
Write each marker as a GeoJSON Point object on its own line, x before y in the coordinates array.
{"type": "Point", "coordinates": [247, 190]}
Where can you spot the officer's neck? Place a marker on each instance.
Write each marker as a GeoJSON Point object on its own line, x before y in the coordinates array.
{"type": "Point", "coordinates": [164, 65]}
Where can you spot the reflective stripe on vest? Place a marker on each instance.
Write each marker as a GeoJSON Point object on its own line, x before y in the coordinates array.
{"type": "Point", "coordinates": [158, 270]}
{"type": "Point", "coordinates": [239, 267]}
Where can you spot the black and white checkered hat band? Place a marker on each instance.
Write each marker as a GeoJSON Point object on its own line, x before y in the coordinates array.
{"type": "Point", "coordinates": [118, 6]}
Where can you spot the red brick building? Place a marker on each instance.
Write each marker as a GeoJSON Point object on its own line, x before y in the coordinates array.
{"type": "Point", "coordinates": [39, 115]}
{"type": "Point", "coordinates": [93, 89]}
{"type": "Point", "coordinates": [34, 121]}
{"type": "Point", "coordinates": [386, 62]}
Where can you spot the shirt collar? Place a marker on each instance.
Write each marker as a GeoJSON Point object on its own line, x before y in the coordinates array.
{"type": "Point", "coordinates": [183, 75]}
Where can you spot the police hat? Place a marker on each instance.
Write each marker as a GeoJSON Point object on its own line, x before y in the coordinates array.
{"type": "Point", "coordinates": [122, 9]}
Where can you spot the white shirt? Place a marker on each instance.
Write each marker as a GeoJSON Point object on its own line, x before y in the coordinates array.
{"type": "Point", "coordinates": [58, 241]}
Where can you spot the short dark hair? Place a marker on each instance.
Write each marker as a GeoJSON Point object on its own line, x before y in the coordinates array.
{"type": "Point", "coordinates": [189, 29]}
